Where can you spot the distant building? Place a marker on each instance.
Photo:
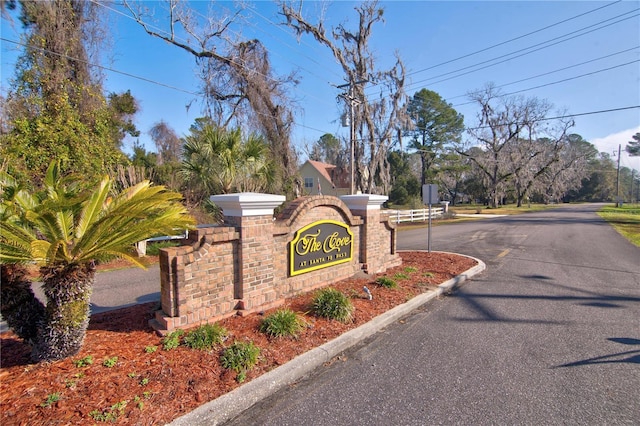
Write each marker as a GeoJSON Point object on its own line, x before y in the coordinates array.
{"type": "Point", "coordinates": [327, 179]}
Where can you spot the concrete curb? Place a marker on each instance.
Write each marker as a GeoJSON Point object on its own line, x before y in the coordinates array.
{"type": "Point", "coordinates": [230, 405]}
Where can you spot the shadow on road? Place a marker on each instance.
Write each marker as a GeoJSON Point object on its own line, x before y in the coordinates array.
{"type": "Point", "coordinates": [632, 357]}
{"type": "Point", "coordinates": [151, 297]}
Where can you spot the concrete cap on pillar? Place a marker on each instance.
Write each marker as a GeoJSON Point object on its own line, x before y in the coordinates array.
{"type": "Point", "coordinates": [364, 201]}
{"type": "Point", "coordinates": [247, 203]}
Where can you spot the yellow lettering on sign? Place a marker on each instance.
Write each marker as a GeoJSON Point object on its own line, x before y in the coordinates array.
{"type": "Point", "coordinates": [308, 244]}
{"type": "Point", "coordinates": [334, 243]}
{"type": "Point", "coordinates": [321, 246]}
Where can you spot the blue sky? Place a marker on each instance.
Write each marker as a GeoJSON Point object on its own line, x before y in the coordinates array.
{"type": "Point", "coordinates": [596, 54]}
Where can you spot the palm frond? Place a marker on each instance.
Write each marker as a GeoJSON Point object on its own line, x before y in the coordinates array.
{"type": "Point", "coordinates": [40, 252]}
{"type": "Point", "coordinates": [75, 227]}
{"type": "Point", "coordinates": [15, 243]}
{"type": "Point", "coordinates": [93, 208]}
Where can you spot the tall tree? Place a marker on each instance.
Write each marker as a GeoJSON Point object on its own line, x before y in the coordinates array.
{"type": "Point", "coordinates": [633, 146]}
{"type": "Point", "coordinates": [55, 107]}
{"type": "Point", "coordinates": [512, 132]}
{"type": "Point", "coordinates": [238, 82]}
{"type": "Point", "coordinates": [329, 149]}
{"type": "Point", "coordinates": [64, 231]}
{"type": "Point", "coordinates": [405, 185]}
{"type": "Point", "coordinates": [378, 121]}
{"type": "Point", "coordinates": [437, 126]}
{"type": "Point", "coordinates": [568, 171]}
{"type": "Point", "coordinates": [454, 170]}
{"type": "Point", "coordinates": [168, 144]}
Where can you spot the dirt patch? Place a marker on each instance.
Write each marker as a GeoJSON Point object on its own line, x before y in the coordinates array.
{"type": "Point", "coordinates": [147, 386]}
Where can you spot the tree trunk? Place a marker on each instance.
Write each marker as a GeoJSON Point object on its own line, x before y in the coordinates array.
{"type": "Point", "coordinates": [19, 307]}
{"type": "Point", "coordinates": [68, 290]}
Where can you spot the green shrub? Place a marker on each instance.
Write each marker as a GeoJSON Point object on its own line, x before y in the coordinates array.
{"type": "Point", "coordinates": [205, 337]}
{"type": "Point", "coordinates": [52, 398]}
{"type": "Point", "coordinates": [400, 276]}
{"type": "Point", "coordinates": [410, 269]}
{"type": "Point", "coordinates": [282, 323]}
{"type": "Point", "coordinates": [386, 282]}
{"type": "Point", "coordinates": [110, 362]}
{"type": "Point", "coordinates": [240, 357]}
{"type": "Point", "coordinates": [83, 362]}
{"type": "Point", "coordinates": [172, 340]}
{"type": "Point", "coordinates": [333, 304]}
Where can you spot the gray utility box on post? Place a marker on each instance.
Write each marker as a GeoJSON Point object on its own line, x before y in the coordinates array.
{"type": "Point", "coordinates": [430, 194]}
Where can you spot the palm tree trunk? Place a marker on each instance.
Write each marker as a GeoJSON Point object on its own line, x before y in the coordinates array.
{"type": "Point", "coordinates": [19, 306]}
{"type": "Point", "coordinates": [68, 290]}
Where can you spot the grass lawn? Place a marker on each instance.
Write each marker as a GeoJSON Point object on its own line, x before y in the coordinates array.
{"type": "Point", "coordinates": [506, 209]}
{"type": "Point", "coordinates": [625, 219]}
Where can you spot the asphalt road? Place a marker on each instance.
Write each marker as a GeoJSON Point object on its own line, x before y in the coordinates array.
{"type": "Point", "coordinates": [549, 334]}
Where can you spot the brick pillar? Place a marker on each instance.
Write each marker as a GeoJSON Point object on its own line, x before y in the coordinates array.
{"type": "Point", "coordinates": [252, 215]}
{"type": "Point", "coordinates": [376, 245]}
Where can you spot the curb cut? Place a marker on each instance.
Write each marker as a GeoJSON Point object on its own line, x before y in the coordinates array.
{"type": "Point", "coordinates": [230, 405]}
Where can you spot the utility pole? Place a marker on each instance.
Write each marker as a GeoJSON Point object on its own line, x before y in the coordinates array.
{"type": "Point", "coordinates": [352, 101]}
{"type": "Point", "coordinates": [618, 179]}
{"type": "Point", "coordinates": [632, 182]}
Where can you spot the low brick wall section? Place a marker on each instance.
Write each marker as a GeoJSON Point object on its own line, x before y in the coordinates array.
{"type": "Point", "coordinates": [242, 266]}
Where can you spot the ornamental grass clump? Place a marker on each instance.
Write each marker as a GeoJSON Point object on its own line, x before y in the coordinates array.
{"type": "Point", "coordinates": [282, 323]}
{"type": "Point", "coordinates": [205, 337]}
{"type": "Point", "coordinates": [333, 304]}
{"type": "Point", "coordinates": [240, 357]}
{"type": "Point", "coordinates": [386, 282]}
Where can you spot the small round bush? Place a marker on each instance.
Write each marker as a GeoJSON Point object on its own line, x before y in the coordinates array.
{"type": "Point", "coordinates": [205, 337]}
{"type": "Point", "coordinates": [333, 304]}
{"type": "Point", "coordinates": [386, 282]}
{"type": "Point", "coordinates": [282, 323]}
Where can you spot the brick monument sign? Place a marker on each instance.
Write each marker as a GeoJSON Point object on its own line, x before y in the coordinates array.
{"type": "Point", "coordinates": [253, 261]}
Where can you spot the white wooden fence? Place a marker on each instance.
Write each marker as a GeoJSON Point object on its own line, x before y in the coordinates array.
{"type": "Point", "coordinates": [420, 215]}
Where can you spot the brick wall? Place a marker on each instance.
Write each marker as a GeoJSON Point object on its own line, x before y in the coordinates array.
{"type": "Point", "coordinates": [243, 266]}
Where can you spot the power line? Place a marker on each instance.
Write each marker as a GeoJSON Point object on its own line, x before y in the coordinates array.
{"type": "Point", "coordinates": [555, 82]}
{"type": "Point", "coordinates": [513, 39]}
{"type": "Point", "coordinates": [603, 111]}
{"type": "Point", "coordinates": [539, 46]}
{"type": "Point", "coordinates": [551, 72]}
{"type": "Point", "coordinates": [137, 77]}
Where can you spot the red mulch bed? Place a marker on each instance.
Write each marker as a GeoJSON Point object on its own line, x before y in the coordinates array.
{"type": "Point", "coordinates": [155, 388]}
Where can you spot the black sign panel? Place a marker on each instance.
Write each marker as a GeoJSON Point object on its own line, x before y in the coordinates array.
{"type": "Point", "coordinates": [319, 245]}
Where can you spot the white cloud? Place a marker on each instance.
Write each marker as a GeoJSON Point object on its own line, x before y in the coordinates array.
{"type": "Point", "coordinates": [609, 144]}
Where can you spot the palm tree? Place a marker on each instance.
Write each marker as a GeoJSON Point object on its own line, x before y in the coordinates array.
{"type": "Point", "coordinates": [220, 161]}
{"type": "Point", "coordinates": [65, 230]}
